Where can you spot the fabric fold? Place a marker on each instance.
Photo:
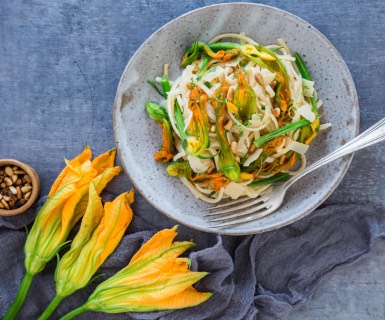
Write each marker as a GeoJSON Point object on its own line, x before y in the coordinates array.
{"type": "Point", "coordinates": [262, 276]}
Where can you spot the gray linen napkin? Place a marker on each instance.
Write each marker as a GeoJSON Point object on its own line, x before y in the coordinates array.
{"type": "Point", "coordinates": [253, 277]}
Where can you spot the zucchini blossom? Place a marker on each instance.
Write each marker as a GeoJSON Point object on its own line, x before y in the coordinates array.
{"type": "Point", "coordinates": [155, 279]}
{"type": "Point", "coordinates": [226, 159]}
{"type": "Point", "coordinates": [197, 139]}
{"type": "Point", "coordinates": [66, 204]}
{"type": "Point", "coordinates": [245, 99]}
{"type": "Point", "coordinates": [159, 114]}
{"type": "Point", "coordinates": [100, 232]}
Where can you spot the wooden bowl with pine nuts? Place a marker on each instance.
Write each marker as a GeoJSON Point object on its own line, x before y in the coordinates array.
{"type": "Point", "coordinates": [19, 187]}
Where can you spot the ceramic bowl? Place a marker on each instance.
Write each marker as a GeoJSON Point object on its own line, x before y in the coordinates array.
{"type": "Point", "coordinates": [35, 182]}
{"type": "Point", "coordinates": [137, 137]}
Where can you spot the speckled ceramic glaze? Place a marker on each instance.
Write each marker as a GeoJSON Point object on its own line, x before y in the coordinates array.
{"type": "Point", "coordinates": [137, 137]}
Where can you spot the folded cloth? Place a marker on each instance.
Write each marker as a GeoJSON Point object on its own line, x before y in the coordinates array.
{"type": "Point", "coordinates": [262, 277]}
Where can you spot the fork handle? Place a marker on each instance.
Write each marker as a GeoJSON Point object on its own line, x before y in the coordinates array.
{"type": "Point", "coordinates": [374, 134]}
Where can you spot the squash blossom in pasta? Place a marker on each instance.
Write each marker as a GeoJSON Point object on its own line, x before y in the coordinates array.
{"type": "Point", "coordinates": [226, 159]}
{"type": "Point", "coordinates": [198, 130]}
{"type": "Point", "coordinates": [100, 232]}
{"type": "Point", "coordinates": [66, 204]}
{"type": "Point", "coordinates": [267, 59]}
{"type": "Point", "coordinates": [159, 114]}
{"type": "Point", "coordinates": [245, 99]}
{"type": "Point", "coordinates": [155, 279]}
{"type": "Point", "coordinates": [224, 53]}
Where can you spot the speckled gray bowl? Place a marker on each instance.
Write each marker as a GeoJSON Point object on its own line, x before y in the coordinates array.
{"type": "Point", "coordinates": [138, 138]}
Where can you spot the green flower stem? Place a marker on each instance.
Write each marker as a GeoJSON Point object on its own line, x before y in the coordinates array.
{"type": "Point", "coordinates": [20, 297]}
{"type": "Point", "coordinates": [51, 308]}
{"type": "Point", "coordinates": [74, 313]}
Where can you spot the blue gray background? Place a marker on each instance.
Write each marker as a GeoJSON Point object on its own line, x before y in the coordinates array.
{"type": "Point", "coordinates": [60, 62]}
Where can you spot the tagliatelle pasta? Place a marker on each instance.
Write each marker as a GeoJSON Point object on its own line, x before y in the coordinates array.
{"type": "Point", "coordinates": [240, 117]}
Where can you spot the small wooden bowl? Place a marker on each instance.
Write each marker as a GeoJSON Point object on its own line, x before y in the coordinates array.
{"type": "Point", "coordinates": [35, 181]}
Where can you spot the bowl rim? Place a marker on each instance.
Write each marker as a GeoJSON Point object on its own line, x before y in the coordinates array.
{"type": "Point", "coordinates": [35, 186]}
{"type": "Point", "coordinates": [284, 222]}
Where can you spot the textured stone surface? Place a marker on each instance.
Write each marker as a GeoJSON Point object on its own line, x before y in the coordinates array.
{"type": "Point", "coordinates": [60, 62]}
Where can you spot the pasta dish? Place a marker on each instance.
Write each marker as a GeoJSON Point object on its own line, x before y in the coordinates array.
{"type": "Point", "coordinates": [240, 117]}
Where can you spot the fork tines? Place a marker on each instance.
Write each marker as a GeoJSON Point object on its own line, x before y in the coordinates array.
{"type": "Point", "coordinates": [235, 214]}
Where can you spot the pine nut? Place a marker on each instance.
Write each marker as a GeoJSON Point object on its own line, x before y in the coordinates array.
{"type": "Point", "coordinates": [273, 84]}
{"type": "Point", "coordinates": [259, 79]}
{"type": "Point", "coordinates": [13, 190]}
{"type": "Point", "coordinates": [211, 169]}
{"type": "Point", "coordinates": [234, 145]}
{"type": "Point", "coordinates": [212, 129]}
{"type": "Point", "coordinates": [253, 147]}
{"type": "Point", "coordinates": [11, 204]}
{"type": "Point", "coordinates": [3, 185]}
{"type": "Point", "coordinates": [8, 181]}
{"type": "Point", "coordinates": [1, 205]}
{"type": "Point", "coordinates": [27, 178]}
{"type": "Point", "coordinates": [26, 189]}
{"type": "Point", "coordinates": [9, 171]}
{"type": "Point", "coordinates": [19, 172]}
{"type": "Point", "coordinates": [237, 159]}
{"type": "Point", "coordinates": [189, 85]}
{"type": "Point", "coordinates": [276, 112]}
{"type": "Point", "coordinates": [14, 178]}
{"type": "Point", "coordinates": [19, 193]}
{"type": "Point", "coordinates": [222, 77]}
{"type": "Point", "coordinates": [5, 204]}
{"type": "Point", "coordinates": [230, 94]}
{"type": "Point", "coordinates": [18, 182]}
{"type": "Point", "coordinates": [27, 195]}
{"type": "Point", "coordinates": [1, 196]}
{"type": "Point", "coordinates": [228, 125]}
{"type": "Point", "coordinates": [27, 184]}
{"type": "Point", "coordinates": [6, 198]}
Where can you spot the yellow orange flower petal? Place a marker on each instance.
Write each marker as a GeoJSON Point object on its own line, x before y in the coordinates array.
{"type": "Point", "coordinates": [117, 216]}
{"type": "Point", "coordinates": [81, 158]}
{"type": "Point", "coordinates": [160, 241]}
{"type": "Point", "coordinates": [91, 218]}
{"type": "Point", "coordinates": [100, 232]}
{"type": "Point", "coordinates": [104, 161]}
{"type": "Point", "coordinates": [187, 298]}
{"type": "Point", "coordinates": [66, 205]}
{"type": "Point", "coordinates": [155, 279]}
{"type": "Point", "coordinates": [104, 178]}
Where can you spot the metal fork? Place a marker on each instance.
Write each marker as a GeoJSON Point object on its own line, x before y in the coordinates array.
{"type": "Point", "coordinates": [245, 210]}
